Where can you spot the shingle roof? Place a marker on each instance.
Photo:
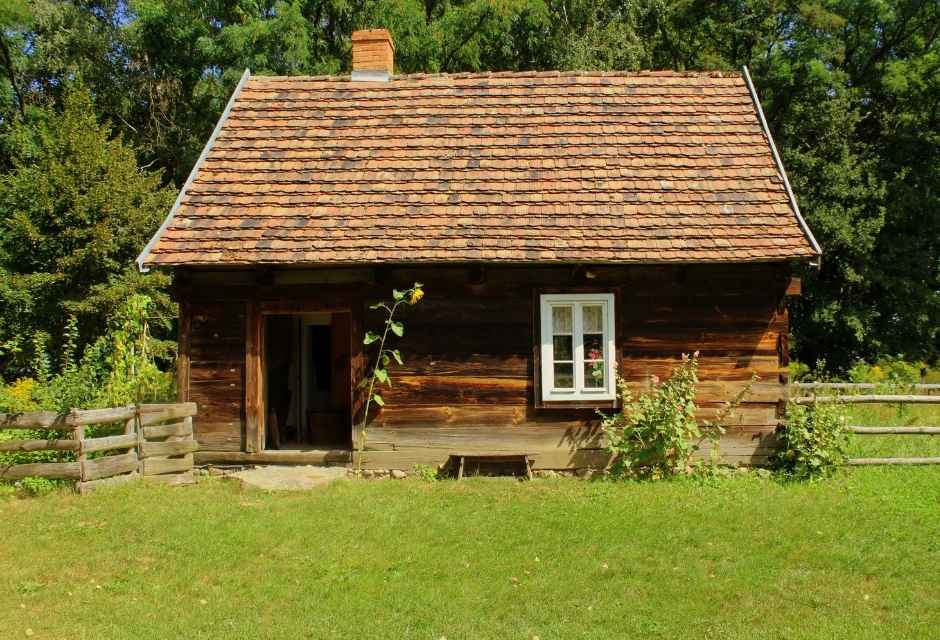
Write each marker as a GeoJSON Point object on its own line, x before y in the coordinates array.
{"type": "Point", "coordinates": [504, 167]}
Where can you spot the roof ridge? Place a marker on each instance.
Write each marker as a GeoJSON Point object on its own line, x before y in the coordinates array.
{"type": "Point", "coordinates": [475, 75]}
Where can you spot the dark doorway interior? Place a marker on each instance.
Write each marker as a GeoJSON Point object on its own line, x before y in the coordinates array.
{"type": "Point", "coordinates": [307, 391]}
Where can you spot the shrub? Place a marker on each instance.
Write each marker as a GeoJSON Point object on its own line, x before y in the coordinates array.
{"type": "Point", "coordinates": [117, 369]}
{"type": "Point", "coordinates": [814, 441]}
{"type": "Point", "coordinates": [655, 435]}
{"type": "Point", "coordinates": [799, 371]}
{"type": "Point", "coordinates": [427, 472]}
{"type": "Point", "coordinates": [887, 370]}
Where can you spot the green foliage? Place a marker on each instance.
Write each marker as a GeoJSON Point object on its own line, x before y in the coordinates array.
{"type": "Point", "coordinates": [119, 368]}
{"type": "Point", "coordinates": [427, 472]}
{"type": "Point", "coordinates": [799, 371]}
{"type": "Point", "coordinates": [383, 358]}
{"type": "Point", "coordinates": [850, 88]}
{"type": "Point", "coordinates": [78, 210]}
{"type": "Point", "coordinates": [888, 370]}
{"type": "Point", "coordinates": [891, 371]}
{"type": "Point", "coordinates": [655, 435]}
{"type": "Point", "coordinates": [814, 441]}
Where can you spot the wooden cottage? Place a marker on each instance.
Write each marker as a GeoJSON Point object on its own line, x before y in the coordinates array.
{"type": "Point", "coordinates": [562, 224]}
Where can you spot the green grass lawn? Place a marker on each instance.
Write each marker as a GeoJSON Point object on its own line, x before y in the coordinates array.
{"type": "Point", "coordinates": [853, 557]}
{"type": "Point", "coordinates": [745, 557]}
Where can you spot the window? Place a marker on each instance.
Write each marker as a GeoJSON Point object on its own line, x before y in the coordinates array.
{"type": "Point", "coordinates": [577, 346]}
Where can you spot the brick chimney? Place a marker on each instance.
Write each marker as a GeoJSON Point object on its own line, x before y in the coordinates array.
{"type": "Point", "coordinates": [373, 55]}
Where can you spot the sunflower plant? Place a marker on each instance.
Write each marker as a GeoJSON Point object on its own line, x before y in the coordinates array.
{"type": "Point", "coordinates": [385, 356]}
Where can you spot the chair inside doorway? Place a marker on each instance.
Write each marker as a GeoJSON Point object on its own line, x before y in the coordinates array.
{"type": "Point", "coordinates": [307, 383]}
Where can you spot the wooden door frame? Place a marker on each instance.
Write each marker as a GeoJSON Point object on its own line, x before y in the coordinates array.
{"type": "Point", "coordinates": [255, 380]}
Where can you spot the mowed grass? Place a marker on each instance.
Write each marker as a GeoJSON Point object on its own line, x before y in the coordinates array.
{"type": "Point", "coordinates": [852, 557]}
{"type": "Point", "coordinates": [855, 556]}
{"type": "Point", "coordinates": [902, 446]}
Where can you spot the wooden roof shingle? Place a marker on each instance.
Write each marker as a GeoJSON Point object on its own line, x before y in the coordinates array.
{"type": "Point", "coordinates": [492, 167]}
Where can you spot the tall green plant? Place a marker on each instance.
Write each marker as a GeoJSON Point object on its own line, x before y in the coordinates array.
{"type": "Point", "coordinates": [814, 441]}
{"type": "Point", "coordinates": [385, 355]}
{"type": "Point", "coordinates": [656, 434]}
{"type": "Point", "coordinates": [131, 362]}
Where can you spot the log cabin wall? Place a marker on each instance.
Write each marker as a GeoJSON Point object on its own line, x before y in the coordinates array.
{"type": "Point", "coordinates": [215, 349]}
{"type": "Point", "coordinates": [470, 352]}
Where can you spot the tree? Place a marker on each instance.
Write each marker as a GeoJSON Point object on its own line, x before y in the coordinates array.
{"type": "Point", "coordinates": [76, 210]}
{"type": "Point", "coordinates": [851, 89]}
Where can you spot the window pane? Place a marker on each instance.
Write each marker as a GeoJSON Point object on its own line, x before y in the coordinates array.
{"type": "Point", "coordinates": [564, 376]}
{"type": "Point", "coordinates": [563, 349]}
{"type": "Point", "coordinates": [593, 346]}
{"type": "Point", "coordinates": [593, 318]}
{"type": "Point", "coordinates": [594, 374]}
{"type": "Point", "coordinates": [561, 319]}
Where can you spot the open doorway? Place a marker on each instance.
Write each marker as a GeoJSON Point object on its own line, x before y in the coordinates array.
{"type": "Point", "coordinates": [307, 381]}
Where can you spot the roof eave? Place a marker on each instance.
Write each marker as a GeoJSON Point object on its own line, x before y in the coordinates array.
{"type": "Point", "coordinates": [142, 258]}
{"type": "Point", "coordinates": [783, 172]}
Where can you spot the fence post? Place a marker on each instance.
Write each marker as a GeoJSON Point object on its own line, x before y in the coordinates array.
{"type": "Point", "coordinates": [81, 456]}
{"type": "Point", "coordinates": [140, 440]}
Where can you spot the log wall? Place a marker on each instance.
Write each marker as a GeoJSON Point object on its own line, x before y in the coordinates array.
{"type": "Point", "coordinates": [470, 352]}
{"type": "Point", "coordinates": [216, 362]}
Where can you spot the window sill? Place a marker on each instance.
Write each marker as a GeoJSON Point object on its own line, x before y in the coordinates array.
{"type": "Point", "coordinates": [578, 404]}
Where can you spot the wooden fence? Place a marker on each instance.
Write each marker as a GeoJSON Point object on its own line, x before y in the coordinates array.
{"type": "Point", "coordinates": [804, 388]}
{"type": "Point", "coordinates": [834, 396]}
{"type": "Point", "coordinates": [154, 442]}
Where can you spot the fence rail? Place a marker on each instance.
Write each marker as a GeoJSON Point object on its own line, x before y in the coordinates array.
{"type": "Point", "coordinates": [899, 399]}
{"type": "Point", "coordinates": [147, 448]}
{"type": "Point", "coordinates": [869, 399]}
{"type": "Point", "coordinates": [925, 389]}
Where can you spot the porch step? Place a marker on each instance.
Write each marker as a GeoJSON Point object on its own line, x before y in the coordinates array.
{"type": "Point", "coordinates": [288, 478]}
{"type": "Point", "coordinates": [321, 457]}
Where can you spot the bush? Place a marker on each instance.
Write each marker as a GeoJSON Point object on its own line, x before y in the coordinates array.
{"type": "Point", "coordinates": [427, 472]}
{"type": "Point", "coordinates": [119, 368]}
{"type": "Point", "coordinates": [814, 441]}
{"type": "Point", "coordinates": [655, 435]}
{"type": "Point", "coordinates": [887, 370]}
{"type": "Point", "coordinates": [799, 371]}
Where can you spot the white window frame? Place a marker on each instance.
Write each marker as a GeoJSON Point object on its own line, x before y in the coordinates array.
{"type": "Point", "coordinates": [576, 301]}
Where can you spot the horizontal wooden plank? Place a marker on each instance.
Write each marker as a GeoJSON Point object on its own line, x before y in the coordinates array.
{"type": "Point", "coordinates": [736, 448]}
{"type": "Point", "coordinates": [869, 399]}
{"type": "Point", "coordinates": [109, 443]}
{"type": "Point", "coordinates": [399, 416]}
{"type": "Point", "coordinates": [480, 416]}
{"type": "Point", "coordinates": [184, 428]}
{"type": "Point", "coordinates": [181, 410]}
{"type": "Point", "coordinates": [173, 479]}
{"type": "Point", "coordinates": [861, 386]}
{"type": "Point", "coordinates": [638, 368]}
{"type": "Point", "coordinates": [543, 460]}
{"type": "Point", "coordinates": [230, 372]}
{"type": "Point", "coordinates": [74, 418]}
{"type": "Point", "coordinates": [160, 465]}
{"type": "Point", "coordinates": [891, 461]}
{"type": "Point", "coordinates": [219, 436]}
{"type": "Point", "coordinates": [896, 430]}
{"type": "Point", "coordinates": [52, 470]}
{"type": "Point", "coordinates": [170, 448]}
{"type": "Point", "coordinates": [39, 445]}
{"type": "Point", "coordinates": [83, 417]}
{"type": "Point", "coordinates": [94, 485]}
{"type": "Point", "coordinates": [110, 465]}
{"type": "Point", "coordinates": [508, 439]}
{"type": "Point", "coordinates": [429, 389]}
{"type": "Point", "coordinates": [310, 456]}
{"type": "Point", "coordinates": [217, 402]}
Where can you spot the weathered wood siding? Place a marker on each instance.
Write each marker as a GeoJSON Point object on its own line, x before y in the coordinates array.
{"type": "Point", "coordinates": [469, 349]}
{"type": "Point", "coordinates": [216, 359]}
